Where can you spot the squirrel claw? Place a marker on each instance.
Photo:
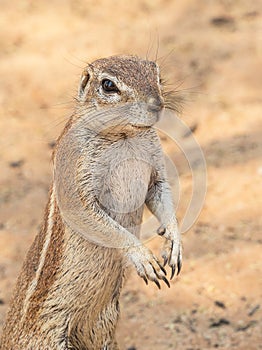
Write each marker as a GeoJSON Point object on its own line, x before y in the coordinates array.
{"type": "Point", "coordinates": [166, 282]}
{"type": "Point", "coordinates": [179, 265]}
{"type": "Point", "coordinates": [161, 277]}
{"type": "Point", "coordinates": [157, 283]}
{"type": "Point", "coordinates": [165, 260]}
{"type": "Point", "coordinates": [162, 269]}
{"type": "Point", "coordinates": [145, 279]}
{"type": "Point", "coordinates": [173, 270]}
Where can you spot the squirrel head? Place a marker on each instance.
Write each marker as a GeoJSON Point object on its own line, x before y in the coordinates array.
{"type": "Point", "coordinates": [123, 81]}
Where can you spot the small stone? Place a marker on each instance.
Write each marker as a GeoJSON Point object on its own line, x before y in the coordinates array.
{"type": "Point", "coordinates": [16, 163]}
{"type": "Point", "coordinates": [220, 322]}
{"type": "Point", "coordinates": [253, 310]}
{"type": "Point", "coordinates": [220, 304]}
{"type": "Point", "coordinates": [243, 327]}
{"type": "Point", "coordinates": [222, 21]}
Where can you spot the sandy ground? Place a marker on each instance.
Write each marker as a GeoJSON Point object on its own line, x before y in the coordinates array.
{"type": "Point", "coordinates": [212, 49]}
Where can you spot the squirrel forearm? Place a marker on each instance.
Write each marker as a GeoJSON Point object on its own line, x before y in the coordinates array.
{"type": "Point", "coordinates": [159, 202]}
{"type": "Point", "coordinates": [95, 225]}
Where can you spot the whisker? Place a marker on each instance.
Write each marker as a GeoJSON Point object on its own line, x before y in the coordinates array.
{"type": "Point", "coordinates": [164, 58]}
{"type": "Point", "coordinates": [157, 48]}
{"type": "Point", "coordinates": [149, 47]}
{"type": "Point", "coordinates": [78, 59]}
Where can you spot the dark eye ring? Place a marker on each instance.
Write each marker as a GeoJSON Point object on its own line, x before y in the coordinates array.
{"type": "Point", "coordinates": [109, 86]}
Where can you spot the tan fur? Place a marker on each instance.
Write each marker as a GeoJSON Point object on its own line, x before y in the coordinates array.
{"type": "Point", "coordinates": [108, 164]}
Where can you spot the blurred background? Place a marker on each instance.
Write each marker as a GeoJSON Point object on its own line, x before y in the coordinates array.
{"type": "Point", "coordinates": [210, 49]}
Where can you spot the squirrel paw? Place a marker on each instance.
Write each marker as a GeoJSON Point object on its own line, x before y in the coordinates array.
{"type": "Point", "coordinates": [147, 265]}
{"type": "Point", "coordinates": [172, 248]}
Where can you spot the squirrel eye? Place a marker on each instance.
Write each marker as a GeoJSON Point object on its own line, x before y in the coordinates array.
{"type": "Point", "coordinates": [109, 86]}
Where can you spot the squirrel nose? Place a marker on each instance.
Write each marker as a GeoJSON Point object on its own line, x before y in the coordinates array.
{"type": "Point", "coordinates": [155, 104]}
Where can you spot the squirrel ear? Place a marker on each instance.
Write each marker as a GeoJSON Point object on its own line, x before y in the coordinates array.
{"type": "Point", "coordinates": [83, 82]}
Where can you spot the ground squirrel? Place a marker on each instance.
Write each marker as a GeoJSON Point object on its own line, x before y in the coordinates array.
{"type": "Point", "coordinates": [108, 163]}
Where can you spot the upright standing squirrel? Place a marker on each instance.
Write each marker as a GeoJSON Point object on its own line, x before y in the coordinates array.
{"type": "Point", "coordinates": [108, 163]}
